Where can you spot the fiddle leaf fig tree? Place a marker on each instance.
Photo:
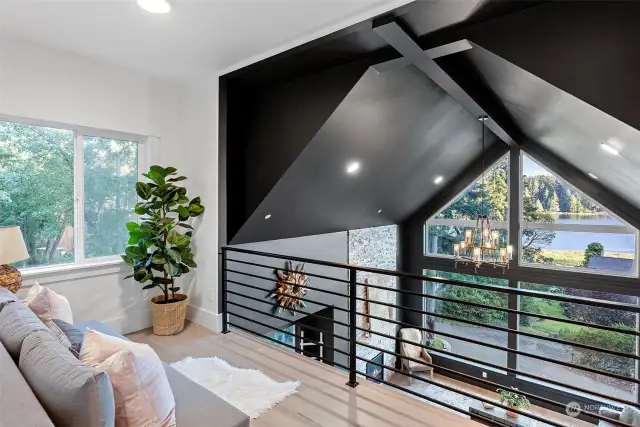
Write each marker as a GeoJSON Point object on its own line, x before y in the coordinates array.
{"type": "Point", "coordinates": [159, 247]}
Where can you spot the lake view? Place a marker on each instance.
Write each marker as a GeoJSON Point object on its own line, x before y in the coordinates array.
{"type": "Point", "coordinates": [564, 240]}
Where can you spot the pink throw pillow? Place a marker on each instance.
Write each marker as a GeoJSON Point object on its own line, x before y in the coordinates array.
{"type": "Point", "coordinates": [47, 304]}
{"type": "Point", "coordinates": [141, 389]}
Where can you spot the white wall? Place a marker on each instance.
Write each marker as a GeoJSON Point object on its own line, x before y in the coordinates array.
{"type": "Point", "coordinates": [38, 82]}
{"type": "Point", "coordinates": [202, 154]}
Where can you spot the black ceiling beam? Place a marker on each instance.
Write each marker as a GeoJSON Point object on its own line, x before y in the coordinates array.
{"type": "Point", "coordinates": [465, 84]}
{"type": "Point", "coordinates": [433, 53]}
{"type": "Point", "coordinates": [396, 33]}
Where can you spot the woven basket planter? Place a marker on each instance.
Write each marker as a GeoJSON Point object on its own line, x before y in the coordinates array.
{"type": "Point", "coordinates": [168, 319]}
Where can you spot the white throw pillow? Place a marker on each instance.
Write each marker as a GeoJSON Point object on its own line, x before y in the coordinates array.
{"type": "Point", "coordinates": [141, 389]}
{"type": "Point", "coordinates": [47, 304]}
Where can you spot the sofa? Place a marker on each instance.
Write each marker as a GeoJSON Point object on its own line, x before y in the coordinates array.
{"type": "Point", "coordinates": [25, 391]}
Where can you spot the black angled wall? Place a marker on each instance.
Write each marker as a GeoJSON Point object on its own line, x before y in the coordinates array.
{"type": "Point", "coordinates": [267, 129]}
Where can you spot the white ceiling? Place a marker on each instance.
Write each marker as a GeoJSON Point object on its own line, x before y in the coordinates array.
{"type": "Point", "coordinates": [196, 38]}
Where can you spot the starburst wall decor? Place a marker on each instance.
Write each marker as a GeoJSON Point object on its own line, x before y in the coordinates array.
{"type": "Point", "coordinates": [291, 283]}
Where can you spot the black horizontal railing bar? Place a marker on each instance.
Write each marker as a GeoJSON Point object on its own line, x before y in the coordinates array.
{"type": "Point", "coordinates": [464, 393]}
{"type": "Point", "coordinates": [313, 328]}
{"type": "Point", "coordinates": [537, 294]}
{"type": "Point", "coordinates": [498, 367]}
{"type": "Point", "coordinates": [288, 295]}
{"type": "Point", "coordinates": [317, 316]}
{"type": "Point", "coordinates": [503, 329]}
{"type": "Point", "coordinates": [515, 291]}
{"type": "Point", "coordinates": [415, 393]}
{"type": "Point", "coordinates": [289, 283]}
{"type": "Point", "coordinates": [459, 356]}
{"type": "Point", "coordinates": [319, 276]}
{"type": "Point", "coordinates": [506, 310]}
{"type": "Point", "coordinates": [288, 333]}
{"type": "Point", "coordinates": [288, 257]}
{"type": "Point", "coordinates": [532, 415]}
{"type": "Point", "coordinates": [471, 377]}
{"type": "Point", "coordinates": [249, 331]}
{"type": "Point", "coordinates": [506, 349]}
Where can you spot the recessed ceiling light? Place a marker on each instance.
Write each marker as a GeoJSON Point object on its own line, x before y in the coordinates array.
{"type": "Point", "coordinates": [267, 216]}
{"type": "Point", "coordinates": [609, 149]}
{"type": "Point", "coordinates": [353, 167]}
{"type": "Point", "coordinates": [438, 179]}
{"type": "Point", "coordinates": [155, 6]}
{"type": "Point", "coordinates": [379, 210]}
{"type": "Point", "coordinates": [592, 176]}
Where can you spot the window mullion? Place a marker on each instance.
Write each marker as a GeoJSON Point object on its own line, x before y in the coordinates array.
{"type": "Point", "coordinates": [79, 227]}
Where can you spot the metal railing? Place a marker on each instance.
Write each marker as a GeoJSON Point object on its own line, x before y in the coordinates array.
{"type": "Point", "coordinates": [242, 311]}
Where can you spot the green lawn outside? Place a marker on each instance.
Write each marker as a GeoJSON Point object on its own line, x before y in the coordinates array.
{"type": "Point", "coordinates": [545, 326]}
{"type": "Point", "coordinates": [575, 258]}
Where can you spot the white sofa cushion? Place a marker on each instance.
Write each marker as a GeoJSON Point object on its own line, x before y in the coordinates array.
{"type": "Point", "coordinates": [47, 304]}
{"type": "Point", "coordinates": [143, 396]}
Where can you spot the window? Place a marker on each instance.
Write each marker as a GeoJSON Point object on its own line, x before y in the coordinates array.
{"type": "Point", "coordinates": [110, 176]}
{"type": "Point", "coordinates": [562, 228]}
{"type": "Point", "coordinates": [447, 226]}
{"type": "Point", "coordinates": [612, 340]}
{"type": "Point", "coordinates": [454, 324]}
{"type": "Point", "coordinates": [54, 179]}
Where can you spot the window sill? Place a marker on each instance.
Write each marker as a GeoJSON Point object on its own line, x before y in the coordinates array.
{"type": "Point", "coordinates": [61, 273]}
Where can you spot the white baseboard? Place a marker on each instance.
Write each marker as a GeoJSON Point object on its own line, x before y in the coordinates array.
{"type": "Point", "coordinates": [142, 320]}
{"type": "Point", "coordinates": [206, 318]}
{"type": "Point", "coordinates": [131, 323]}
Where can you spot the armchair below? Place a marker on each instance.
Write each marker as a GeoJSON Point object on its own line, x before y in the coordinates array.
{"type": "Point", "coordinates": [414, 352]}
{"type": "Point", "coordinates": [628, 415]}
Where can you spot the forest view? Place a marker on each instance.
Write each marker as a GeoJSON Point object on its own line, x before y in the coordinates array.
{"type": "Point", "coordinates": [37, 191]}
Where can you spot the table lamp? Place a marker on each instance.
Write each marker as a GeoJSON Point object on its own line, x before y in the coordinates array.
{"type": "Point", "coordinates": [12, 249]}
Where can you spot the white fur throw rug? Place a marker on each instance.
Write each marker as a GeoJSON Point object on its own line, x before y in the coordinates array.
{"type": "Point", "coordinates": [249, 390]}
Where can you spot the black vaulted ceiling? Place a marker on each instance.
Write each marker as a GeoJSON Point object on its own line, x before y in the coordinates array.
{"type": "Point", "coordinates": [564, 124]}
{"type": "Point", "coordinates": [402, 128]}
{"type": "Point", "coordinates": [559, 77]}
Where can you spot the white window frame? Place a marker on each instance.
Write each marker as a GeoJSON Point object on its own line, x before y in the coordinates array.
{"type": "Point", "coordinates": [465, 222]}
{"type": "Point", "coordinates": [80, 132]}
{"type": "Point", "coordinates": [577, 228]}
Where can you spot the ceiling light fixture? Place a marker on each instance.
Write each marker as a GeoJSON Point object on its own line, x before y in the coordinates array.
{"type": "Point", "coordinates": [267, 216]}
{"type": "Point", "coordinates": [438, 179]}
{"type": "Point", "coordinates": [482, 244]}
{"type": "Point", "coordinates": [592, 176]}
{"type": "Point", "coordinates": [609, 149]}
{"type": "Point", "coordinates": [155, 6]}
{"type": "Point", "coordinates": [353, 167]}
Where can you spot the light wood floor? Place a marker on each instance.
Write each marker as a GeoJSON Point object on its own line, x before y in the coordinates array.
{"type": "Point", "coordinates": [323, 398]}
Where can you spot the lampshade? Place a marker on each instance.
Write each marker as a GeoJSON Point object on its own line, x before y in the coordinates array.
{"type": "Point", "coordinates": [12, 247]}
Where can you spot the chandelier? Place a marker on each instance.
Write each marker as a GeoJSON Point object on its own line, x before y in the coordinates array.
{"type": "Point", "coordinates": [482, 244]}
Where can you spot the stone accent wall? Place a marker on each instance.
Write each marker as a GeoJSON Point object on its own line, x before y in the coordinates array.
{"type": "Point", "coordinates": [376, 247]}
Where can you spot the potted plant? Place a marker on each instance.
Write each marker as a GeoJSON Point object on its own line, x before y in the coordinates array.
{"type": "Point", "coordinates": [159, 247]}
{"type": "Point", "coordinates": [513, 400]}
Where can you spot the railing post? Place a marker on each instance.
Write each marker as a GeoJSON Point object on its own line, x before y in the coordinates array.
{"type": "Point", "coordinates": [225, 326]}
{"type": "Point", "coordinates": [353, 332]}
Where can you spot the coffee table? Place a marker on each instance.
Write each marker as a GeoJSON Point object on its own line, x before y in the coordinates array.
{"type": "Point", "coordinates": [498, 417]}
